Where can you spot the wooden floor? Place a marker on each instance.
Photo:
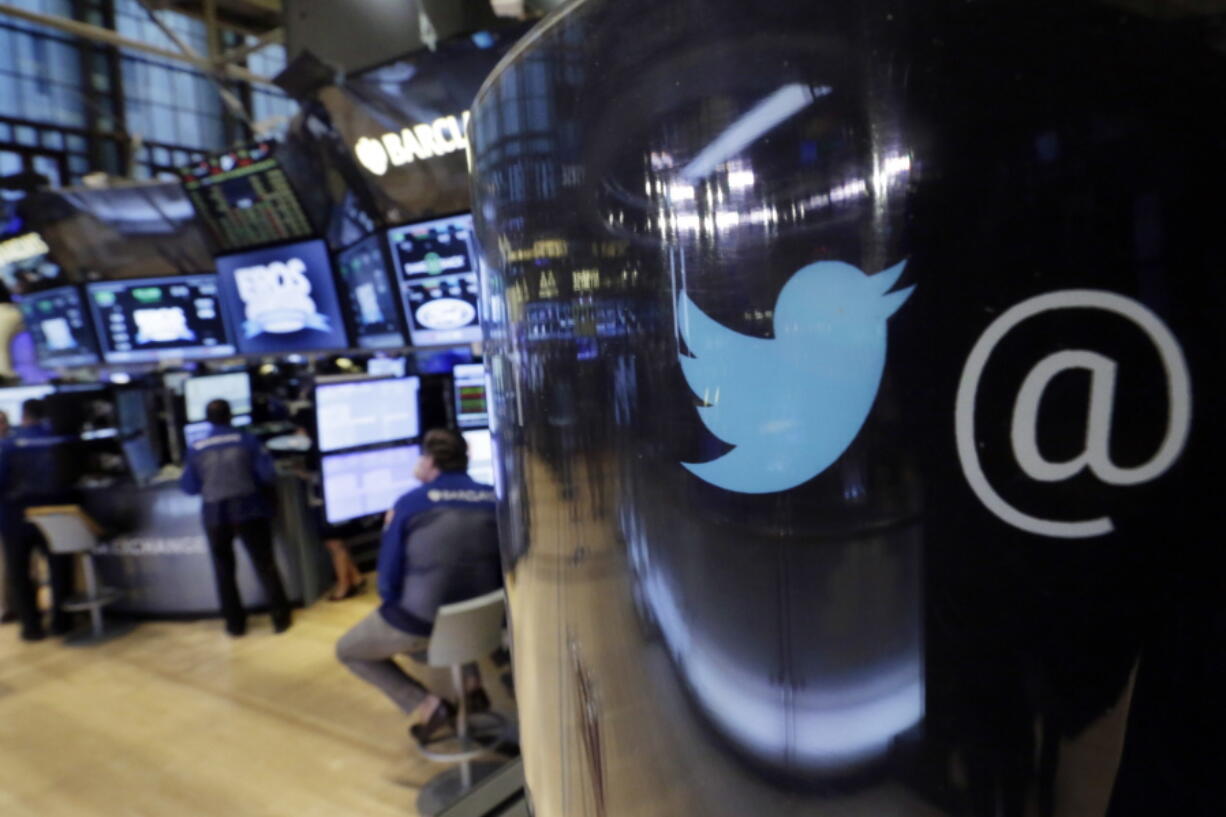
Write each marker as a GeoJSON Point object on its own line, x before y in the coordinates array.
{"type": "Point", "coordinates": [179, 719]}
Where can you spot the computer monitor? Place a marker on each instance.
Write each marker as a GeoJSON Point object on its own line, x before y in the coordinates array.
{"type": "Point", "coordinates": [234, 387]}
{"type": "Point", "coordinates": [151, 319]}
{"type": "Point", "coordinates": [244, 198]}
{"type": "Point", "coordinates": [368, 297]}
{"type": "Point", "coordinates": [366, 412]}
{"type": "Point", "coordinates": [26, 265]}
{"type": "Point", "coordinates": [387, 366]}
{"type": "Point", "coordinates": [363, 483]}
{"type": "Point", "coordinates": [59, 326]}
{"type": "Point", "coordinates": [141, 457]}
{"type": "Point", "coordinates": [12, 399]}
{"type": "Point", "coordinates": [480, 455]}
{"type": "Point", "coordinates": [282, 299]}
{"type": "Point", "coordinates": [173, 381]}
{"type": "Point", "coordinates": [436, 264]}
{"type": "Point", "coordinates": [470, 405]}
{"type": "Point", "coordinates": [131, 411]}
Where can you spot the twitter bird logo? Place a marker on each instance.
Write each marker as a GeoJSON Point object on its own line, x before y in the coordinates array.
{"type": "Point", "coordinates": [791, 405]}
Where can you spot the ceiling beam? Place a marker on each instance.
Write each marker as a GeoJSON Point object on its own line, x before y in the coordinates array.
{"type": "Point", "coordinates": [232, 102]}
{"type": "Point", "coordinates": [108, 37]}
{"type": "Point", "coordinates": [274, 37]}
{"type": "Point", "coordinates": [245, 18]}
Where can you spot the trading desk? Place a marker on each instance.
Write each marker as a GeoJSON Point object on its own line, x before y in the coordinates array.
{"type": "Point", "coordinates": [156, 553]}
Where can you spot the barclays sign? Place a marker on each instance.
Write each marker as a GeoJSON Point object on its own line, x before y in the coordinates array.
{"type": "Point", "coordinates": [425, 141]}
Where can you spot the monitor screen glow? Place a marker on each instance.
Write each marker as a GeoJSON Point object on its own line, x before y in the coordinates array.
{"type": "Point", "coordinates": [282, 299]}
{"type": "Point", "coordinates": [480, 455]}
{"type": "Point", "coordinates": [387, 366]}
{"type": "Point", "coordinates": [59, 326]}
{"type": "Point", "coordinates": [470, 405]}
{"type": "Point", "coordinates": [11, 400]}
{"type": "Point", "coordinates": [26, 266]}
{"type": "Point", "coordinates": [436, 264]}
{"type": "Point", "coordinates": [245, 198]}
{"type": "Point", "coordinates": [151, 319]}
{"type": "Point", "coordinates": [368, 296]}
{"type": "Point", "coordinates": [234, 387]}
{"type": "Point", "coordinates": [367, 482]}
{"type": "Point", "coordinates": [366, 412]}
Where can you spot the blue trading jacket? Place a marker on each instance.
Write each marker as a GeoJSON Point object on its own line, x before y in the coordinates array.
{"type": "Point", "coordinates": [29, 470]}
{"type": "Point", "coordinates": [230, 470]}
{"type": "Point", "coordinates": [440, 547]}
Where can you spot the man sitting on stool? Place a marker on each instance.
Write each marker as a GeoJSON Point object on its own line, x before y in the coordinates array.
{"type": "Point", "coordinates": [440, 546]}
{"type": "Point", "coordinates": [233, 473]}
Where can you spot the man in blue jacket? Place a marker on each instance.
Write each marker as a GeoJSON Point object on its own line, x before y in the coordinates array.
{"type": "Point", "coordinates": [440, 546]}
{"type": "Point", "coordinates": [32, 473]}
{"type": "Point", "coordinates": [234, 476]}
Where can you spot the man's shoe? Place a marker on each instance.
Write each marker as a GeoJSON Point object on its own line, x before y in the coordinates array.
{"type": "Point", "coordinates": [443, 716]}
{"type": "Point", "coordinates": [33, 635]}
{"type": "Point", "coordinates": [280, 625]}
{"type": "Point", "coordinates": [476, 701]}
{"type": "Point", "coordinates": [62, 626]}
{"type": "Point", "coordinates": [236, 631]}
{"type": "Point", "coordinates": [8, 617]}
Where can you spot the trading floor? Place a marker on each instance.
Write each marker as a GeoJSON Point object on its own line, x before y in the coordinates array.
{"type": "Point", "coordinates": [176, 718]}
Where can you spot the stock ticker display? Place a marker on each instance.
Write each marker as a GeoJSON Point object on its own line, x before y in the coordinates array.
{"type": "Point", "coordinates": [245, 198]}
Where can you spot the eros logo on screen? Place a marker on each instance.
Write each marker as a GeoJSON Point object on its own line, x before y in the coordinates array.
{"type": "Point", "coordinates": [277, 298]}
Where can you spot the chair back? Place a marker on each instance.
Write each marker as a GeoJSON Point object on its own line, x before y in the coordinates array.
{"type": "Point", "coordinates": [66, 528]}
{"type": "Point", "coordinates": [467, 630]}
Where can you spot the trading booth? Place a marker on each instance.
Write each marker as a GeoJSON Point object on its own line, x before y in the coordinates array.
{"type": "Point", "coordinates": [338, 349]}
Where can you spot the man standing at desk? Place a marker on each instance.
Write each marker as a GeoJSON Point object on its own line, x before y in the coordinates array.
{"type": "Point", "coordinates": [233, 474]}
{"type": "Point", "coordinates": [440, 546]}
{"type": "Point", "coordinates": [32, 473]}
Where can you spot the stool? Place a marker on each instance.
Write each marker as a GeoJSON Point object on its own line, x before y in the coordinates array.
{"type": "Point", "coordinates": [70, 531]}
{"type": "Point", "coordinates": [464, 632]}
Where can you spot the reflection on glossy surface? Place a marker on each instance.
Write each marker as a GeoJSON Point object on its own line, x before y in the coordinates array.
{"type": "Point", "coordinates": [665, 192]}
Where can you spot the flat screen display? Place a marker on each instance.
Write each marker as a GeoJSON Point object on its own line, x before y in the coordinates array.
{"type": "Point", "coordinates": [159, 318]}
{"type": "Point", "coordinates": [233, 387]}
{"type": "Point", "coordinates": [470, 408]}
{"type": "Point", "coordinates": [11, 400]}
{"type": "Point", "coordinates": [245, 198]}
{"type": "Point", "coordinates": [26, 266]}
{"type": "Point", "coordinates": [366, 412]}
{"type": "Point", "coordinates": [141, 457]}
{"type": "Point", "coordinates": [387, 366]}
{"type": "Point", "coordinates": [436, 265]}
{"type": "Point", "coordinates": [282, 299]}
{"type": "Point", "coordinates": [367, 482]}
{"type": "Point", "coordinates": [368, 297]}
{"type": "Point", "coordinates": [59, 326]}
{"type": "Point", "coordinates": [480, 455]}
{"type": "Point", "coordinates": [131, 412]}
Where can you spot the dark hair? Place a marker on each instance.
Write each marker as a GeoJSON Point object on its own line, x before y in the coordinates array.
{"type": "Point", "coordinates": [35, 410]}
{"type": "Point", "coordinates": [217, 412]}
{"type": "Point", "coordinates": [447, 448]}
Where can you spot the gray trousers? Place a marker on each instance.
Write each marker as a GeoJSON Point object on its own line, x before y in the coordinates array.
{"type": "Point", "coordinates": [368, 650]}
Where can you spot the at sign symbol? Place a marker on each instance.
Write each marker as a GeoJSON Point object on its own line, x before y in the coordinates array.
{"type": "Point", "coordinates": [1095, 456]}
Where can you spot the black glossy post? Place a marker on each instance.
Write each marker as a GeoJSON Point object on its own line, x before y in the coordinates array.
{"type": "Point", "coordinates": [856, 373]}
